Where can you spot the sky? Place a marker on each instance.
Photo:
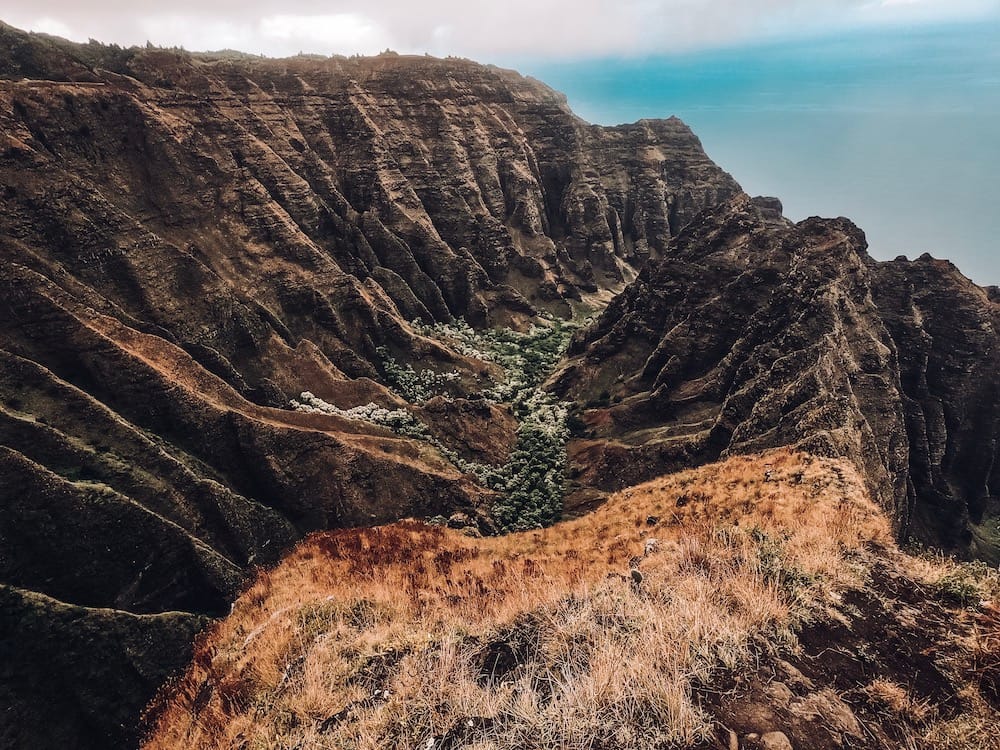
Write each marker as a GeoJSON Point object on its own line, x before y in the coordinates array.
{"type": "Point", "coordinates": [486, 31]}
{"type": "Point", "coordinates": [894, 128]}
{"type": "Point", "coordinates": [885, 111]}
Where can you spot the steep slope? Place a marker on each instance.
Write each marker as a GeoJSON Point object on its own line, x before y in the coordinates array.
{"type": "Point", "coordinates": [753, 332]}
{"type": "Point", "coordinates": [758, 595]}
{"type": "Point", "coordinates": [190, 242]}
{"type": "Point", "coordinates": [129, 656]}
{"type": "Point", "coordinates": [947, 337]}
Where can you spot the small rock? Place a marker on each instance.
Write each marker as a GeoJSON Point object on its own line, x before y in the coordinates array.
{"type": "Point", "coordinates": [779, 694]}
{"type": "Point", "coordinates": [775, 741]}
{"type": "Point", "coordinates": [827, 707]}
{"type": "Point", "coordinates": [792, 676]}
{"type": "Point", "coordinates": [652, 520]}
{"type": "Point", "coordinates": [459, 521]}
{"type": "Point", "coordinates": [651, 546]}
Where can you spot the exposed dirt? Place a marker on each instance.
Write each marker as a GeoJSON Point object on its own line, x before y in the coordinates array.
{"type": "Point", "coordinates": [820, 694]}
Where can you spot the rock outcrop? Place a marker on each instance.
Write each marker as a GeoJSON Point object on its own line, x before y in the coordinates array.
{"type": "Point", "coordinates": [190, 241]}
{"type": "Point", "coordinates": [947, 337]}
{"type": "Point", "coordinates": [753, 332]}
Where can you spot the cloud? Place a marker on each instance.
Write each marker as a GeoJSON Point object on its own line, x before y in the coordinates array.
{"type": "Point", "coordinates": [328, 33]}
{"type": "Point", "coordinates": [52, 26]}
{"type": "Point", "coordinates": [490, 31]}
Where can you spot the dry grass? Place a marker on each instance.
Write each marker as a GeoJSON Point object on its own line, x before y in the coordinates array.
{"type": "Point", "coordinates": [898, 701]}
{"type": "Point", "coordinates": [575, 636]}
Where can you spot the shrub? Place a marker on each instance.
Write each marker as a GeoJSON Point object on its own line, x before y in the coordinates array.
{"type": "Point", "coordinates": [532, 481]}
{"type": "Point", "coordinates": [534, 477]}
{"type": "Point", "coordinates": [968, 583]}
{"type": "Point", "coordinates": [415, 386]}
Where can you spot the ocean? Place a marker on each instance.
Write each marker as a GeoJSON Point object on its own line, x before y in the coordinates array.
{"type": "Point", "coordinates": [899, 130]}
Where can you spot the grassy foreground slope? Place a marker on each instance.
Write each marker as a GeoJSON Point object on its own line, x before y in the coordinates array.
{"type": "Point", "coordinates": [703, 609]}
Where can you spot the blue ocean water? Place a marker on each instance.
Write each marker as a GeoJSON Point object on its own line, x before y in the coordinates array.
{"type": "Point", "coordinates": [898, 130]}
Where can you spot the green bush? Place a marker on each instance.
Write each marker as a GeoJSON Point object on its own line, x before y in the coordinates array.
{"type": "Point", "coordinates": [968, 583]}
{"type": "Point", "coordinates": [532, 481]}
{"type": "Point", "coordinates": [414, 386]}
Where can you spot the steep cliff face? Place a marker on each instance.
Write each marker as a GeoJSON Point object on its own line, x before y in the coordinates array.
{"type": "Point", "coordinates": [947, 336]}
{"type": "Point", "coordinates": [106, 662]}
{"type": "Point", "coordinates": [451, 188]}
{"type": "Point", "coordinates": [754, 332]}
{"type": "Point", "coordinates": [189, 242]}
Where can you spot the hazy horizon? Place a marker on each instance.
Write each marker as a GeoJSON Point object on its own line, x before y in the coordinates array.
{"type": "Point", "coordinates": [896, 130]}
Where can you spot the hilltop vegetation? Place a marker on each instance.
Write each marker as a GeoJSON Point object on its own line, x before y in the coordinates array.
{"type": "Point", "coordinates": [610, 631]}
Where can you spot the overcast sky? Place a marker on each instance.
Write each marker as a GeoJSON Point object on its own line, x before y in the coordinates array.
{"type": "Point", "coordinates": [494, 31]}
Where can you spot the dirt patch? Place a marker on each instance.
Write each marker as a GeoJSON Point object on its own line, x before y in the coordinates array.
{"type": "Point", "coordinates": [893, 634]}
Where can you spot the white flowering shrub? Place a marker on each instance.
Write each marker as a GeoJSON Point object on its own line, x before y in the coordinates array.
{"type": "Point", "coordinates": [415, 386]}
{"type": "Point", "coordinates": [526, 358]}
{"type": "Point", "coordinates": [532, 482]}
{"type": "Point", "coordinates": [399, 421]}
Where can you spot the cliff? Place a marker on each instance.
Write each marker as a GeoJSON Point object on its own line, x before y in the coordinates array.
{"type": "Point", "coordinates": [213, 267]}
{"type": "Point", "coordinates": [189, 242]}
{"type": "Point", "coordinates": [753, 332]}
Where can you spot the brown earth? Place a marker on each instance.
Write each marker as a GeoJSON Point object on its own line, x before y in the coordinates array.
{"type": "Point", "coordinates": [188, 242]}
{"type": "Point", "coordinates": [752, 332]}
{"type": "Point", "coordinates": [720, 605]}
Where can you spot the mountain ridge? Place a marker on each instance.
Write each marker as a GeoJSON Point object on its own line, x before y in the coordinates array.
{"type": "Point", "coordinates": [191, 242]}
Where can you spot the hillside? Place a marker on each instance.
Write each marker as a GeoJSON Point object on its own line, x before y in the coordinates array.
{"type": "Point", "coordinates": [247, 299]}
{"type": "Point", "coordinates": [759, 595]}
{"type": "Point", "coordinates": [190, 243]}
{"type": "Point", "coordinates": [754, 332]}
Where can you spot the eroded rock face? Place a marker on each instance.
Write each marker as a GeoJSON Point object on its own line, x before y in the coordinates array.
{"type": "Point", "coordinates": [128, 658]}
{"type": "Point", "coordinates": [752, 332]}
{"type": "Point", "coordinates": [948, 350]}
{"type": "Point", "coordinates": [188, 243]}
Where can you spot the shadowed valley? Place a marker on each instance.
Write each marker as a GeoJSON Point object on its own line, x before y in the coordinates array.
{"type": "Point", "coordinates": [245, 300]}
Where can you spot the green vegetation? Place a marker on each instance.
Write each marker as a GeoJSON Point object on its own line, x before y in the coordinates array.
{"type": "Point", "coordinates": [415, 386]}
{"type": "Point", "coordinates": [776, 565]}
{"type": "Point", "coordinates": [526, 358]}
{"type": "Point", "coordinates": [532, 481]}
{"type": "Point", "coordinates": [969, 583]}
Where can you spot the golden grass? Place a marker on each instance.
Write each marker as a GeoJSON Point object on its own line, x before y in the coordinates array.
{"type": "Point", "coordinates": [898, 702]}
{"type": "Point", "coordinates": [587, 634]}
